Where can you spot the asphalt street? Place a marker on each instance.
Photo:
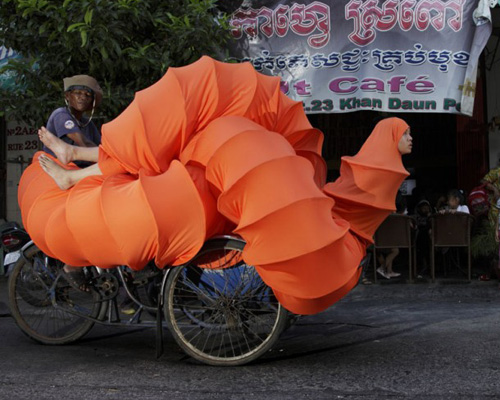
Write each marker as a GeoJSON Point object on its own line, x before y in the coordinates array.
{"type": "Point", "coordinates": [384, 341]}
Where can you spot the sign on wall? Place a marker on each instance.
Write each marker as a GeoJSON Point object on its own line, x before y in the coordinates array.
{"type": "Point", "coordinates": [350, 55]}
{"type": "Point", "coordinates": [21, 144]}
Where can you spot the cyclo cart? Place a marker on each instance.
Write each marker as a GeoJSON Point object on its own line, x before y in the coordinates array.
{"type": "Point", "coordinates": [216, 306]}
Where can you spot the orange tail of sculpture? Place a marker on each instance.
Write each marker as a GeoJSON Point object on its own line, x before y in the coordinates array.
{"type": "Point", "coordinates": [269, 192]}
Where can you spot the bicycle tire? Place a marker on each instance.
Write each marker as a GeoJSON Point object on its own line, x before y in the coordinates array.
{"type": "Point", "coordinates": [32, 306]}
{"type": "Point", "coordinates": [219, 310]}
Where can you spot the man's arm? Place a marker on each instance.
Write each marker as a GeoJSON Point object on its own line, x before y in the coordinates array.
{"type": "Point", "coordinates": [80, 140]}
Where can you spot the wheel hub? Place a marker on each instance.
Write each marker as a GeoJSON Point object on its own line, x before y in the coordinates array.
{"type": "Point", "coordinates": [107, 284]}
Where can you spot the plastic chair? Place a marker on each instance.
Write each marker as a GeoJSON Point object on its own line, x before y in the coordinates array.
{"type": "Point", "coordinates": [397, 231]}
{"type": "Point", "coordinates": [451, 230]}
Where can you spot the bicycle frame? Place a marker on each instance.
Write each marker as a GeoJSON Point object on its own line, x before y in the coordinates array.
{"type": "Point", "coordinates": [109, 307]}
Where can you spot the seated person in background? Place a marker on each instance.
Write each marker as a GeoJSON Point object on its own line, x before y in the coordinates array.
{"type": "Point", "coordinates": [456, 200]}
{"type": "Point", "coordinates": [456, 203]}
{"type": "Point", "coordinates": [386, 260]}
{"type": "Point", "coordinates": [423, 210]}
{"type": "Point", "coordinates": [441, 203]}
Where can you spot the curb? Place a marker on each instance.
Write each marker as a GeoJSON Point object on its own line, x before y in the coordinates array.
{"type": "Point", "coordinates": [443, 290]}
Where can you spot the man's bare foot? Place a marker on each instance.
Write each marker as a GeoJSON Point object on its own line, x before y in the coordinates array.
{"type": "Point", "coordinates": [62, 150]}
{"type": "Point", "coordinates": [61, 176]}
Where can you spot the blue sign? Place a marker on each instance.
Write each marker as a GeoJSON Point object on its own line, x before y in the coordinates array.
{"type": "Point", "coordinates": [7, 77]}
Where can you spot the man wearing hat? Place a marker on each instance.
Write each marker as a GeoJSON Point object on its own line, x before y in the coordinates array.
{"type": "Point", "coordinates": [82, 95]}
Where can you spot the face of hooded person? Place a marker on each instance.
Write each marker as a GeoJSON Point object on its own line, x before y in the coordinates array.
{"type": "Point", "coordinates": [80, 100]}
{"type": "Point", "coordinates": [425, 209]}
{"type": "Point", "coordinates": [405, 143]}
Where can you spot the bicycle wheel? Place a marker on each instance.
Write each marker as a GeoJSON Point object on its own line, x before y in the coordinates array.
{"type": "Point", "coordinates": [44, 305]}
{"type": "Point", "coordinates": [219, 310]}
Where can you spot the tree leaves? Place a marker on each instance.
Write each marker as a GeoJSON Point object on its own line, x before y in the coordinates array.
{"type": "Point", "coordinates": [88, 16]}
{"type": "Point", "coordinates": [73, 27]}
{"type": "Point", "coordinates": [125, 44]}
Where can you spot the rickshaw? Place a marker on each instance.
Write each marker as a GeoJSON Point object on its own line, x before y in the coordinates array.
{"type": "Point", "coordinates": [216, 306]}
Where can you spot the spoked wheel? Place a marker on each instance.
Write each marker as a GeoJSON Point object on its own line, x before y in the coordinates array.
{"type": "Point", "coordinates": [44, 305]}
{"type": "Point", "coordinates": [219, 310]}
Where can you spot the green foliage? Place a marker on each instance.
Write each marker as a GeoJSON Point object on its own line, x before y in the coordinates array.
{"type": "Point", "coordinates": [127, 45]}
{"type": "Point", "coordinates": [483, 242]}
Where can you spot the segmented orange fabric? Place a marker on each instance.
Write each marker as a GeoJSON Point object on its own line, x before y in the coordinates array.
{"type": "Point", "coordinates": [216, 148]}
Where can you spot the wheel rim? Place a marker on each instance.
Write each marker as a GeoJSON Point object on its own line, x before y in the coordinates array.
{"type": "Point", "coordinates": [46, 306]}
{"type": "Point", "coordinates": [223, 311]}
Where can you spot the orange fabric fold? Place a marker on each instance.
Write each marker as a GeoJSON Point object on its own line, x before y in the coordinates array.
{"type": "Point", "coordinates": [215, 148]}
{"type": "Point", "coordinates": [366, 190]}
{"type": "Point", "coordinates": [270, 193]}
{"type": "Point", "coordinates": [116, 220]}
{"type": "Point", "coordinates": [316, 305]}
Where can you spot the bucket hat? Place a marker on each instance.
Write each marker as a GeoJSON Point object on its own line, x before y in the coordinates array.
{"type": "Point", "coordinates": [73, 82]}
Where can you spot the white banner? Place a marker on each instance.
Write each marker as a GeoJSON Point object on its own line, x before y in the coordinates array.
{"type": "Point", "coordinates": [350, 55]}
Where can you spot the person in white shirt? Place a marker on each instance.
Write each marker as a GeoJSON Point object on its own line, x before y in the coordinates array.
{"type": "Point", "coordinates": [455, 200]}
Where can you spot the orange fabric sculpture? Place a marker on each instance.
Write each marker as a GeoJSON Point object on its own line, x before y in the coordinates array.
{"type": "Point", "coordinates": [216, 148]}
